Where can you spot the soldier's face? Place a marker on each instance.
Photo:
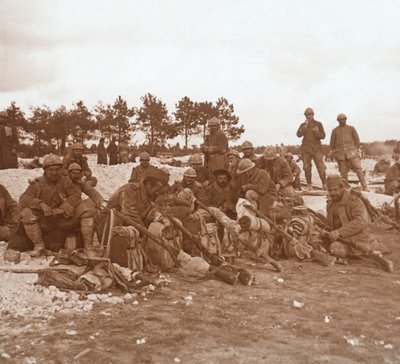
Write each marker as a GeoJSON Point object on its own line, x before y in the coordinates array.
{"type": "Point", "coordinates": [247, 152]}
{"type": "Point", "coordinates": [189, 180]}
{"type": "Point", "coordinates": [289, 159]}
{"type": "Point", "coordinates": [196, 166]}
{"type": "Point", "coordinates": [53, 173]}
{"type": "Point", "coordinates": [154, 190]}
{"type": "Point", "coordinates": [342, 122]}
{"type": "Point", "coordinates": [222, 180]}
{"type": "Point", "coordinates": [74, 175]}
{"type": "Point", "coordinates": [309, 116]}
{"type": "Point", "coordinates": [145, 164]}
{"type": "Point", "coordinates": [78, 152]}
{"type": "Point", "coordinates": [336, 192]}
{"type": "Point", "coordinates": [213, 128]}
{"type": "Point", "coordinates": [233, 160]}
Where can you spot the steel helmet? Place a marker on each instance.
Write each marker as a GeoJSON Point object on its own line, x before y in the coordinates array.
{"type": "Point", "coordinates": [213, 121]}
{"type": "Point", "coordinates": [341, 117]}
{"type": "Point", "coordinates": [144, 156]}
{"type": "Point", "coordinates": [74, 166]}
{"type": "Point", "coordinates": [269, 153]}
{"type": "Point", "coordinates": [190, 172]}
{"type": "Point", "coordinates": [233, 152]}
{"type": "Point", "coordinates": [51, 160]}
{"type": "Point", "coordinates": [77, 146]}
{"type": "Point", "coordinates": [247, 145]}
{"type": "Point", "coordinates": [245, 165]}
{"type": "Point", "coordinates": [196, 159]}
{"type": "Point", "coordinates": [309, 111]}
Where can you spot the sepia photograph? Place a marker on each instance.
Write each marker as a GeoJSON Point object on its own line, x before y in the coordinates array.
{"type": "Point", "coordinates": [202, 182]}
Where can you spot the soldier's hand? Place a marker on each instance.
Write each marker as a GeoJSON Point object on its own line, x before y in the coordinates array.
{"type": "Point", "coordinates": [57, 212]}
{"type": "Point", "coordinates": [103, 205]}
{"type": "Point", "coordinates": [334, 235]}
{"type": "Point", "coordinates": [47, 210]}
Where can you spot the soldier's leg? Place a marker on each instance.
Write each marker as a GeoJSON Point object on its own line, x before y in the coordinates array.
{"type": "Point", "coordinates": [355, 164]}
{"type": "Point", "coordinates": [306, 157]}
{"type": "Point", "coordinates": [296, 183]}
{"type": "Point", "coordinates": [32, 228]}
{"type": "Point", "coordinates": [343, 168]}
{"type": "Point", "coordinates": [339, 250]}
{"type": "Point", "coordinates": [320, 164]}
{"type": "Point", "coordinates": [85, 212]}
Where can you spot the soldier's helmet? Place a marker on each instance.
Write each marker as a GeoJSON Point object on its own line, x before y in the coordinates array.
{"type": "Point", "coordinates": [247, 145]}
{"type": "Point", "coordinates": [74, 166]}
{"type": "Point", "coordinates": [196, 159]}
{"type": "Point", "coordinates": [213, 122]}
{"type": "Point", "coordinates": [51, 160]}
{"type": "Point", "coordinates": [144, 156]}
{"type": "Point", "coordinates": [288, 155]}
{"type": "Point", "coordinates": [341, 117]}
{"type": "Point", "coordinates": [245, 165]}
{"type": "Point", "coordinates": [269, 153]}
{"type": "Point", "coordinates": [190, 172]}
{"type": "Point", "coordinates": [77, 146]}
{"type": "Point", "coordinates": [233, 152]}
{"type": "Point", "coordinates": [309, 111]}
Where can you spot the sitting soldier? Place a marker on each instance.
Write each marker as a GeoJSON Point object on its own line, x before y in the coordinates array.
{"type": "Point", "coordinates": [189, 181]}
{"type": "Point", "coordinates": [204, 175]}
{"type": "Point", "coordinates": [144, 167]}
{"type": "Point", "coordinates": [86, 210]}
{"type": "Point", "coordinates": [9, 213]}
{"type": "Point", "coordinates": [222, 194]}
{"type": "Point", "coordinates": [348, 219]}
{"type": "Point", "coordinates": [295, 169]}
{"type": "Point", "coordinates": [382, 166]}
{"type": "Point", "coordinates": [233, 159]}
{"type": "Point", "coordinates": [48, 204]}
{"type": "Point", "coordinates": [392, 180]}
{"type": "Point", "coordinates": [279, 171]}
{"type": "Point", "coordinates": [256, 185]}
{"type": "Point", "coordinates": [247, 149]}
{"type": "Point", "coordinates": [76, 156]}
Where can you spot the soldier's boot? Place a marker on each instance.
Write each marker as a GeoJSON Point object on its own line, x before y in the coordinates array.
{"type": "Point", "coordinates": [87, 230]}
{"type": "Point", "coordinates": [34, 233]}
{"type": "Point", "coordinates": [386, 264]}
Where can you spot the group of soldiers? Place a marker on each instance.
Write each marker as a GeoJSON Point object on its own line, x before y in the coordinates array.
{"type": "Point", "coordinates": [231, 202]}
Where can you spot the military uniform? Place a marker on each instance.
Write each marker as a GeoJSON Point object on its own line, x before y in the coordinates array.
{"type": "Point", "coordinates": [138, 173]}
{"type": "Point", "coordinates": [196, 188]}
{"type": "Point", "coordinates": [101, 153]}
{"type": "Point", "coordinates": [112, 151]}
{"type": "Point", "coordinates": [311, 149]}
{"type": "Point", "coordinates": [123, 152]}
{"type": "Point", "coordinates": [9, 213]}
{"type": "Point", "coordinates": [295, 169]}
{"type": "Point", "coordinates": [9, 143]}
{"type": "Point", "coordinates": [278, 170]}
{"type": "Point", "coordinates": [215, 148]}
{"type": "Point", "coordinates": [392, 180]}
{"type": "Point", "coordinates": [345, 143]}
{"type": "Point", "coordinates": [224, 198]}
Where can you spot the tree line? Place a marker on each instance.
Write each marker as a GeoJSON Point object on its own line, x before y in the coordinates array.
{"type": "Point", "coordinates": [49, 129]}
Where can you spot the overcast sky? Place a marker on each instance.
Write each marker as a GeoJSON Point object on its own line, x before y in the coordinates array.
{"type": "Point", "coordinates": [271, 59]}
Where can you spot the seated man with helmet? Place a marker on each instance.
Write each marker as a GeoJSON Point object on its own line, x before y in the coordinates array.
{"type": "Point", "coordinates": [86, 210]}
{"type": "Point", "coordinates": [349, 223]}
{"type": "Point", "coordinates": [392, 180]}
{"type": "Point", "coordinates": [256, 186]}
{"type": "Point", "coordinates": [75, 155]}
{"type": "Point", "coordinates": [203, 174]}
{"type": "Point", "coordinates": [189, 182]}
{"type": "Point", "coordinates": [48, 205]}
{"type": "Point", "coordinates": [247, 149]}
{"type": "Point", "coordinates": [144, 167]}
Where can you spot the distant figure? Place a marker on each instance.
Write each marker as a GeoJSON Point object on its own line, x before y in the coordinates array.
{"type": "Point", "coordinates": [123, 151]}
{"type": "Point", "coordinates": [344, 144]}
{"type": "Point", "coordinates": [282, 150]}
{"type": "Point", "coordinates": [112, 151]}
{"type": "Point", "coordinates": [215, 146]}
{"type": "Point", "coordinates": [139, 172]}
{"type": "Point", "coordinates": [68, 149]}
{"type": "Point", "coordinates": [101, 152]}
{"type": "Point", "coordinates": [133, 154]}
{"type": "Point", "coordinates": [312, 132]}
{"type": "Point", "coordinates": [392, 180]}
{"type": "Point", "coordinates": [382, 166]}
{"type": "Point", "coordinates": [9, 143]}
{"type": "Point", "coordinates": [295, 169]}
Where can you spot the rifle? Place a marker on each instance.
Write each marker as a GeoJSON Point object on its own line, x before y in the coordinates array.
{"type": "Point", "coordinates": [265, 259]}
{"type": "Point", "coordinates": [386, 264]}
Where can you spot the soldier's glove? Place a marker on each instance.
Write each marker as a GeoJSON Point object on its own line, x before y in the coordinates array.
{"type": "Point", "coordinates": [334, 235]}
{"type": "Point", "coordinates": [47, 210]}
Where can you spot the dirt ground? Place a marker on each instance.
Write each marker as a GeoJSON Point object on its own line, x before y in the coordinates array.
{"type": "Point", "coordinates": [351, 314]}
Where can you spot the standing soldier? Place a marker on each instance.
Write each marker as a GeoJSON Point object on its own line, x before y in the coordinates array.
{"type": "Point", "coordinates": [101, 152]}
{"type": "Point", "coordinates": [345, 143]}
{"type": "Point", "coordinates": [123, 151]}
{"type": "Point", "coordinates": [312, 132]}
{"type": "Point", "coordinates": [247, 149]}
{"type": "Point", "coordinates": [9, 143]}
{"type": "Point", "coordinates": [215, 146]}
{"type": "Point", "coordinates": [112, 151]}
